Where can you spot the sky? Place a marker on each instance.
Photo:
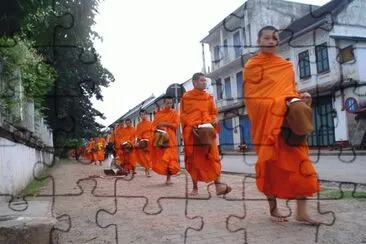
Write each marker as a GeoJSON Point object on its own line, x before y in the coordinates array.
{"type": "Point", "coordinates": [150, 44]}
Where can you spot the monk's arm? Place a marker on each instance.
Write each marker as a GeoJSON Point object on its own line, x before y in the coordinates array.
{"type": "Point", "coordinates": [173, 122]}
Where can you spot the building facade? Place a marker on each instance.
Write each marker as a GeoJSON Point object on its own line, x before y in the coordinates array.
{"type": "Point", "coordinates": [326, 45]}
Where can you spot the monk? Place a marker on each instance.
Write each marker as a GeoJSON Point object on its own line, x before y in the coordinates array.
{"type": "Point", "coordinates": [90, 150]}
{"type": "Point", "coordinates": [165, 158]}
{"type": "Point", "coordinates": [100, 147]}
{"type": "Point", "coordinates": [144, 132]}
{"type": "Point", "coordinates": [117, 139]}
{"type": "Point", "coordinates": [127, 159]}
{"type": "Point", "coordinates": [283, 171]}
{"type": "Point", "coordinates": [201, 162]}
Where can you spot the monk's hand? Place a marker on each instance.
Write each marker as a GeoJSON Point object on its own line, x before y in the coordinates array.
{"type": "Point", "coordinates": [214, 122]}
{"type": "Point", "coordinates": [161, 124]}
{"type": "Point", "coordinates": [306, 97]}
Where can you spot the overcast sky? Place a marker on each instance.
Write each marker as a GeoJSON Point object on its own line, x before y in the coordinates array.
{"type": "Point", "coordinates": [150, 44]}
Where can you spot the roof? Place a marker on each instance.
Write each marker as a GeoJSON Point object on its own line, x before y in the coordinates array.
{"type": "Point", "coordinates": [237, 14]}
{"type": "Point", "coordinates": [350, 38]}
{"type": "Point", "coordinates": [135, 109]}
{"type": "Point", "coordinates": [314, 19]}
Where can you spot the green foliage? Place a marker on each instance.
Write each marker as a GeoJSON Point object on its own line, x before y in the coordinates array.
{"type": "Point", "coordinates": [33, 189]}
{"type": "Point", "coordinates": [336, 194]}
{"type": "Point", "coordinates": [37, 77]}
{"type": "Point", "coordinates": [61, 32]}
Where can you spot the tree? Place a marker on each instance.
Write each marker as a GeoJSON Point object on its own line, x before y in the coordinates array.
{"type": "Point", "coordinates": [62, 33]}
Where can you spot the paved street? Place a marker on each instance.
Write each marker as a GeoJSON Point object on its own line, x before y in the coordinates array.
{"type": "Point", "coordinates": [145, 210]}
{"type": "Point", "coordinates": [348, 168]}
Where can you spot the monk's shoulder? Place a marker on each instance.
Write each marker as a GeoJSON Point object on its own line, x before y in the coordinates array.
{"type": "Point", "coordinates": [253, 60]}
{"type": "Point", "coordinates": [283, 60]}
{"type": "Point", "coordinates": [210, 97]}
{"type": "Point", "coordinates": [187, 94]}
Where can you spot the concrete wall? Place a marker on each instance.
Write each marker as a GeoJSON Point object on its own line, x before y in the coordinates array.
{"type": "Point", "coordinates": [24, 138]}
{"type": "Point", "coordinates": [17, 163]}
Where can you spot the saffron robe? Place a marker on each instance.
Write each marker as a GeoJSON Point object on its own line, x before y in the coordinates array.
{"type": "Point", "coordinates": [202, 163]}
{"type": "Point", "coordinates": [127, 159]}
{"type": "Point", "coordinates": [282, 170]}
{"type": "Point", "coordinates": [100, 146]}
{"type": "Point", "coordinates": [165, 160]}
{"type": "Point", "coordinates": [144, 131]}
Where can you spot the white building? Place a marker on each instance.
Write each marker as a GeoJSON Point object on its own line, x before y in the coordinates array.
{"type": "Point", "coordinates": [231, 43]}
{"type": "Point", "coordinates": [330, 56]}
{"type": "Point", "coordinates": [326, 45]}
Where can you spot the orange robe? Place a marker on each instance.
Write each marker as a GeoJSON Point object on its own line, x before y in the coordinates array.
{"type": "Point", "coordinates": [90, 150]}
{"type": "Point", "coordinates": [144, 131]}
{"type": "Point", "coordinates": [202, 163]}
{"type": "Point", "coordinates": [100, 146]}
{"type": "Point", "coordinates": [282, 171]}
{"type": "Point", "coordinates": [165, 160]}
{"type": "Point", "coordinates": [127, 159]}
{"type": "Point", "coordinates": [116, 137]}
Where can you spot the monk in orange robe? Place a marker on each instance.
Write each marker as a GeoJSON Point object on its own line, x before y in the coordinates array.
{"type": "Point", "coordinates": [127, 160]}
{"type": "Point", "coordinates": [283, 171]}
{"type": "Point", "coordinates": [100, 146]}
{"type": "Point", "coordinates": [117, 139]}
{"type": "Point", "coordinates": [144, 132]}
{"type": "Point", "coordinates": [202, 162]}
{"type": "Point", "coordinates": [165, 159]}
{"type": "Point", "coordinates": [90, 150]}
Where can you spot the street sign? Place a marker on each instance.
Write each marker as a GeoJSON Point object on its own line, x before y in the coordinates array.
{"type": "Point", "coordinates": [175, 90]}
{"type": "Point", "coordinates": [351, 104]}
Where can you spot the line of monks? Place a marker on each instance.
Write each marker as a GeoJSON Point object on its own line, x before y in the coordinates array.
{"type": "Point", "coordinates": [281, 119]}
{"type": "Point", "coordinates": [154, 145]}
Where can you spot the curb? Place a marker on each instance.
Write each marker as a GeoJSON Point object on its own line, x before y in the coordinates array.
{"type": "Point", "coordinates": [312, 153]}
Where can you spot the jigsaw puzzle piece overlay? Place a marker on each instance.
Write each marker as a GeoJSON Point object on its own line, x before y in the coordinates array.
{"type": "Point", "coordinates": [153, 190]}
{"type": "Point", "coordinates": [81, 210]}
{"type": "Point", "coordinates": [256, 216]}
{"type": "Point", "coordinates": [164, 223]}
{"type": "Point", "coordinates": [216, 212]}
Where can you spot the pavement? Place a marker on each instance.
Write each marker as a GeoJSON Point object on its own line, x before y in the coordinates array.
{"type": "Point", "coordinates": [138, 209]}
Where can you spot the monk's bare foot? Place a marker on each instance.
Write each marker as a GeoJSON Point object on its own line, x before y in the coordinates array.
{"type": "Point", "coordinates": [222, 189]}
{"type": "Point", "coordinates": [307, 220]}
{"type": "Point", "coordinates": [194, 192]}
{"type": "Point", "coordinates": [276, 216]}
{"type": "Point", "coordinates": [168, 182]}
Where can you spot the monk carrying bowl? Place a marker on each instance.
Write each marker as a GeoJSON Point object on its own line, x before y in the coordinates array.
{"type": "Point", "coordinates": [205, 134]}
{"type": "Point", "coordinates": [161, 138]}
{"type": "Point", "coordinates": [298, 123]}
{"type": "Point", "coordinates": [127, 146]}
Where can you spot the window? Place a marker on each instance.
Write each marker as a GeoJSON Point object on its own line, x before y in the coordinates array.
{"type": "Point", "coordinates": [227, 88]}
{"type": "Point", "coordinates": [322, 62]}
{"type": "Point", "coordinates": [219, 89]}
{"type": "Point", "coordinates": [346, 54]}
{"type": "Point", "coordinates": [249, 36]}
{"type": "Point", "coordinates": [239, 84]}
{"type": "Point", "coordinates": [225, 48]}
{"type": "Point", "coordinates": [244, 38]}
{"type": "Point", "coordinates": [304, 64]}
{"type": "Point", "coordinates": [216, 54]}
{"type": "Point", "coordinates": [237, 44]}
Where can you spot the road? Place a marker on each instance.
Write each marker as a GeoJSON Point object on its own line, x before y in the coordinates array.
{"type": "Point", "coordinates": [347, 168]}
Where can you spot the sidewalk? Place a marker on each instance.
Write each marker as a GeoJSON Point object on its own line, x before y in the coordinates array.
{"type": "Point", "coordinates": [324, 152]}
{"type": "Point", "coordinates": [145, 210]}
